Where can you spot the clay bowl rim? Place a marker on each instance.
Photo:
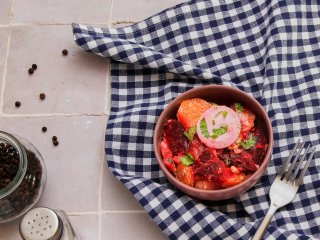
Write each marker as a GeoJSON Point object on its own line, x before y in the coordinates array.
{"type": "Point", "coordinates": [181, 186]}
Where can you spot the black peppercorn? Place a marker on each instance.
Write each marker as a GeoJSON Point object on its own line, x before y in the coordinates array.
{"type": "Point", "coordinates": [24, 193]}
{"type": "Point", "coordinates": [42, 96]}
{"type": "Point", "coordinates": [54, 138]}
{"type": "Point", "coordinates": [55, 143]}
{"type": "Point", "coordinates": [65, 52]}
{"type": "Point", "coordinates": [30, 71]}
{"type": "Point", "coordinates": [17, 104]}
{"type": "Point", "coordinates": [44, 129]}
{"type": "Point", "coordinates": [34, 66]}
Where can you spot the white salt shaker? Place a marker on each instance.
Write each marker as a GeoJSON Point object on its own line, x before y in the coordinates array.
{"type": "Point", "coordinates": [47, 224]}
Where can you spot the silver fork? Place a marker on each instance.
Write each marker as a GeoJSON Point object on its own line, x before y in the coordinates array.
{"type": "Point", "coordinates": [286, 184]}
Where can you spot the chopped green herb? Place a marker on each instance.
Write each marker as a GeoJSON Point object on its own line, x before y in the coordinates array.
{"type": "Point", "coordinates": [227, 162]}
{"type": "Point", "coordinates": [239, 107]}
{"type": "Point", "coordinates": [250, 142]}
{"type": "Point", "coordinates": [204, 128]}
{"type": "Point", "coordinates": [187, 159]}
{"type": "Point", "coordinates": [190, 133]}
{"type": "Point", "coordinates": [219, 131]}
{"type": "Point", "coordinates": [224, 113]}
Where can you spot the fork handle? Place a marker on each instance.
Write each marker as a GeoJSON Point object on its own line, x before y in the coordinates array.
{"type": "Point", "coordinates": [265, 223]}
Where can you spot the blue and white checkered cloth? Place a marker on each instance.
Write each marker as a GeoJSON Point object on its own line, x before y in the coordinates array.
{"type": "Point", "coordinates": [269, 49]}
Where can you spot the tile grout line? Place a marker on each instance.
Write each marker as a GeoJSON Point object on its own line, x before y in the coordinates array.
{"type": "Point", "coordinates": [107, 212]}
{"type": "Point", "coordinates": [50, 24]}
{"type": "Point", "coordinates": [100, 189]}
{"type": "Point", "coordinates": [108, 24]}
{"type": "Point", "coordinates": [124, 212]}
{"type": "Point", "coordinates": [107, 98]}
{"type": "Point", "coordinates": [14, 115]}
{"type": "Point", "coordinates": [107, 112]}
{"type": "Point", "coordinates": [4, 74]}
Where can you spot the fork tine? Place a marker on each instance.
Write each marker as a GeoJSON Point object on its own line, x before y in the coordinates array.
{"type": "Point", "coordinates": [284, 167]}
{"type": "Point", "coordinates": [288, 172]}
{"type": "Point", "coordinates": [303, 172]}
{"type": "Point", "coordinates": [292, 177]}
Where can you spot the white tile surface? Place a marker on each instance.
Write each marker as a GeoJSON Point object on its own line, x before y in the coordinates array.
{"type": "Point", "coordinates": [75, 83]}
{"type": "Point", "coordinates": [141, 9]}
{"type": "Point", "coordinates": [4, 12]}
{"type": "Point", "coordinates": [86, 226]}
{"type": "Point", "coordinates": [73, 166]}
{"type": "Point", "coordinates": [61, 11]}
{"type": "Point", "coordinates": [115, 196]}
{"type": "Point", "coordinates": [4, 35]}
{"type": "Point", "coordinates": [129, 226]}
{"type": "Point", "coordinates": [75, 110]}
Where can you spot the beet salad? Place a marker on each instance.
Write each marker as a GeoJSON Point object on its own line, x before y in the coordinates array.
{"type": "Point", "coordinates": [210, 146]}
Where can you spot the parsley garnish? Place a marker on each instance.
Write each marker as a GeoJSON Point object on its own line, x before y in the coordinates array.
{"type": "Point", "coordinates": [190, 133]}
{"type": "Point", "coordinates": [250, 142]}
{"type": "Point", "coordinates": [224, 114]}
{"type": "Point", "coordinates": [216, 132]}
{"type": "Point", "coordinates": [204, 128]}
{"type": "Point", "coordinates": [219, 131]}
{"type": "Point", "coordinates": [238, 107]}
{"type": "Point", "coordinates": [187, 159]}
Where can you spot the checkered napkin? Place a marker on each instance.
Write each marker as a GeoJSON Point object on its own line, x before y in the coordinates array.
{"type": "Point", "coordinates": [269, 49]}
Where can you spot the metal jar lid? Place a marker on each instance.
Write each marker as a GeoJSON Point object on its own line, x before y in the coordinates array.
{"type": "Point", "coordinates": [41, 224]}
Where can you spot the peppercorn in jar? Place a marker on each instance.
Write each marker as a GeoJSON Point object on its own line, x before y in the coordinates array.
{"type": "Point", "coordinates": [22, 176]}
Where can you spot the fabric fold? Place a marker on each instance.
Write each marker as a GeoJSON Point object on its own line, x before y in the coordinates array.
{"type": "Point", "coordinates": [269, 49]}
{"type": "Point", "coordinates": [123, 50]}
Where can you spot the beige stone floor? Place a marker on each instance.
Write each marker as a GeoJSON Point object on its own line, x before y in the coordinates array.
{"type": "Point", "coordinates": [76, 110]}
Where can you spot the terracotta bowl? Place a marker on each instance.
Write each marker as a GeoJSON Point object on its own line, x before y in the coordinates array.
{"type": "Point", "coordinates": [223, 95]}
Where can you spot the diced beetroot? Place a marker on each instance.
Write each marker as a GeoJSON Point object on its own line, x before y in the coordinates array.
{"type": "Point", "coordinates": [211, 170]}
{"type": "Point", "coordinates": [223, 154]}
{"type": "Point", "coordinates": [259, 150]}
{"type": "Point", "coordinates": [207, 155]}
{"type": "Point", "coordinates": [196, 147]}
{"type": "Point", "coordinates": [243, 161]}
{"type": "Point", "coordinates": [173, 134]}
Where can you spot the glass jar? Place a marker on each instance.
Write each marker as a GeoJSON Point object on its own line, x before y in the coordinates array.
{"type": "Point", "coordinates": [22, 176]}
